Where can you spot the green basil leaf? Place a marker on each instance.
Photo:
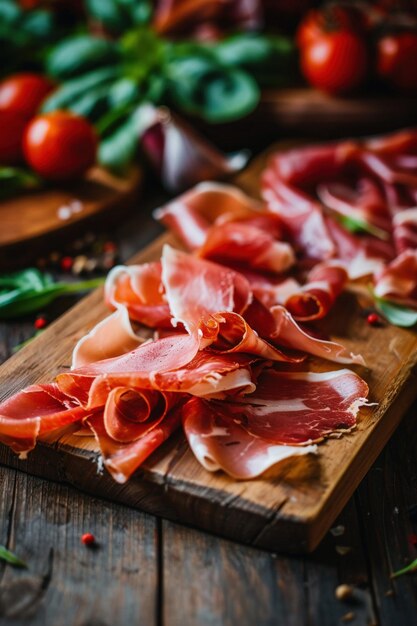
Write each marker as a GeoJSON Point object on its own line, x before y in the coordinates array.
{"type": "Point", "coordinates": [216, 94]}
{"type": "Point", "coordinates": [396, 314]}
{"type": "Point", "coordinates": [123, 92]}
{"type": "Point", "coordinates": [108, 12]}
{"type": "Point", "coordinates": [117, 151]}
{"type": "Point", "coordinates": [31, 290]}
{"type": "Point", "coordinates": [11, 558]}
{"type": "Point", "coordinates": [355, 225]}
{"type": "Point", "coordinates": [10, 12]}
{"type": "Point", "coordinates": [79, 54]}
{"type": "Point", "coordinates": [410, 568]}
{"type": "Point", "coordinates": [70, 91]}
{"type": "Point", "coordinates": [271, 59]}
{"type": "Point", "coordinates": [14, 180]}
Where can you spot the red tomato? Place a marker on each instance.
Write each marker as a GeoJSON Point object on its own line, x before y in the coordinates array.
{"type": "Point", "coordinates": [24, 93]}
{"type": "Point", "coordinates": [60, 145]}
{"type": "Point", "coordinates": [397, 60]}
{"type": "Point", "coordinates": [337, 62]}
{"type": "Point", "coordinates": [331, 18]}
{"type": "Point", "coordinates": [12, 127]}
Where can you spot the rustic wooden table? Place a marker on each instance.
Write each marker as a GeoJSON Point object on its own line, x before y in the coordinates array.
{"type": "Point", "coordinates": [149, 571]}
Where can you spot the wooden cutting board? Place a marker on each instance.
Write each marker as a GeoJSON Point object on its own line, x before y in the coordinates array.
{"type": "Point", "coordinates": [287, 509]}
{"type": "Point", "coordinates": [35, 223]}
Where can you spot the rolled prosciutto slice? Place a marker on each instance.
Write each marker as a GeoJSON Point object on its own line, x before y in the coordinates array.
{"type": "Point", "coordinates": [398, 280]}
{"type": "Point", "coordinates": [325, 282]}
{"type": "Point", "coordinates": [123, 459]}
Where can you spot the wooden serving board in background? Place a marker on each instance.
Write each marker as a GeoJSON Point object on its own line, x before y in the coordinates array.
{"type": "Point", "coordinates": [36, 222]}
{"type": "Point", "coordinates": [306, 112]}
{"type": "Point", "coordinates": [291, 506]}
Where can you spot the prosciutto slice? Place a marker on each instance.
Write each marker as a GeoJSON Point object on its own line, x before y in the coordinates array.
{"type": "Point", "coordinates": [138, 288]}
{"type": "Point", "coordinates": [302, 217]}
{"type": "Point", "coordinates": [315, 299]}
{"type": "Point", "coordinates": [218, 443]}
{"type": "Point", "coordinates": [122, 459]}
{"type": "Point", "coordinates": [246, 436]}
{"type": "Point", "coordinates": [196, 288]}
{"type": "Point", "coordinates": [36, 411]}
{"type": "Point", "coordinates": [190, 215]}
{"type": "Point", "coordinates": [246, 244]}
{"type": "Point", "coordinates": [111, 337]}
{"type": "Point", "coordinates": [405, 229]}
{"type": "Point", "coordinates": [398, 281]}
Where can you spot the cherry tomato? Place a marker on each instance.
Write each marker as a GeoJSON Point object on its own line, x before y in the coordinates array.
{"type": "Point", "coordinates": [12, 128]}
{"type": "Point", "coordinates": [336, 62]}
{"type": "Point", "coordinates": [24, 93]}
{"type": "Point", "coordinates": [397, 60]}
{"type": "Point", "coordinates": [318, 22]}
{"type": "Point", "coordinates": [60, 145]}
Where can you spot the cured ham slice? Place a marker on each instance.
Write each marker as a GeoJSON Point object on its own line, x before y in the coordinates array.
{"type": "Point", "coordinates": [315, 299]}
{"type": "Point", "coordinates": [111, 337]}
{"type": "Point", "coordinates": [218, 443]}
{"type": "Point", "coordinates": [302, 217]}
{"type": "Point", "coordinates": [398, 280]}
{"type": "Point", "coordinates": [244, 243]}
{"type": "Point", "coordinates": [122, 459]}
{"type": "Point", "coordinates": [171, 364]}
{"type": "Point", "coordinates": [300, 407]}
{"type": "Point", "coordinates": [246, 436]}
{"type": "Point", "coordinates": [365, 203]}
{"type": "Point", "coordinates": [288, 333]}
{"type": "Point", "coordinates": [139, 289]}
{"type": "Point", "coordinates": [405, 229]}
{"type": "Point", "coordinates": [196, 288]}
{"type": "Point", "coordinates": [35, 411]}
{"type": "Point", "coordinates": [129, 413]}
{"type": "Point", "coordinates": [190, 215]}
{"type": "Point", "coordinates": [362, 256]}
{"type": "Point", "coordinates": [304, 166]}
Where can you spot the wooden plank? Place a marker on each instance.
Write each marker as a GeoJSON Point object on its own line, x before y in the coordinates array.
{"type": "Point", "coordinates": [224, 583]}
{"type": "Point", "coordinates": [66, 582]}
{"type": "Point", "coordinates": [289, 508]}
{"type": "Point", "coordinates": [388, 506]}
{"type": "Point", "coordinates": [36, 222]}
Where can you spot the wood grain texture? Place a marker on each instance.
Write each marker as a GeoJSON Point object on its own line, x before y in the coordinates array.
{"type": "Point", "coordinates": [289, 508]}
{"type": "Point", "coordinates": [66, 582]}
{"type": "Point", "coordinates": [36, 222]}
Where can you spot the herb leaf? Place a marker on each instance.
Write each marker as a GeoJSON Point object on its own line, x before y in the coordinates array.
{"type": "Point", "coordinates": [31, 290]}
{"type": "Point", "coordinates": [396, 314]}
{"type": "Point", "coordinates": [356, 225]}
{"type": "Point", "coordinates": [9, 557]}
{"type": "Point", "coordinates": [410, 568]}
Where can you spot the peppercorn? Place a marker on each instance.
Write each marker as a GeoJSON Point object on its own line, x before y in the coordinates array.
{"type": "Point", "coordinates": [373, 319]}
{"type": "Point", "coordinates": [40, 322]}
{"type": "Point", "coordinates": [88, 539]}
{"type": "Point", "coordinates": [67, 263]}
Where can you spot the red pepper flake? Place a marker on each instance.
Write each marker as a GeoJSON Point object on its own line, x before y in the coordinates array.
{"type": "Point", "coordinates": [109, 246]}
{"type": "Point", "coordinates": [67, 263]}
{"type": "Point", "coordinates": [88, 539]}
{"type": "Point", "coordinates": [40, 322]}
{"type": "Point", "coordinates": [373, 319]}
